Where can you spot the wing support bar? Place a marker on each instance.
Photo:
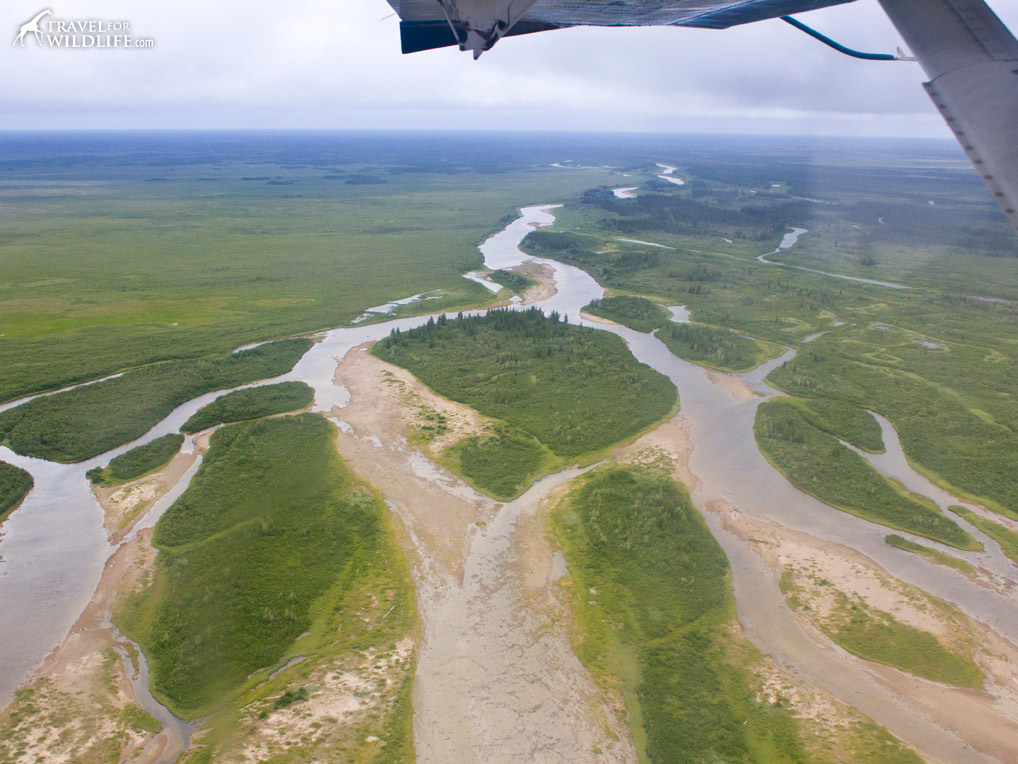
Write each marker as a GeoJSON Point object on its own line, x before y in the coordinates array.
{"type": "Point", "coordinates": [841, 48]}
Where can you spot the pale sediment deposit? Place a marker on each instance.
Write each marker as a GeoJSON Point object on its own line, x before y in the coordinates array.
{"type": "Point", "coordinates": [497, 680]}
{"type": "Point", "coordinates": [124, 504]}
{"type": "Point", "coordinates": [925, 714]}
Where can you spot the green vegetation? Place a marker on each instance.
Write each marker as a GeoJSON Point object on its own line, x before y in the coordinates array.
{"type": "Point", "coordinates": [933, 555]}
{"type": "Point", "coordinates": [290, 697]}
{"type": "Point", "coordinates": [653, 601]}
{"type": "Point", "coordinates": [514, 281]}
{"type": "Point", "coordinates": [844, 421]}
{"type": "Point", "coordinates": [818, 464]}
{"type": "Point", "coordinates": [877, 636]}
{"type": "Point", "coordinates": [1005, 537]}
{"type": "Point", "coordinates": [138, 461]}
{"type": "Point", "coordinates": [263, 547]}
{"type": "Point", "coordinates": [944, 426]}
{"type": "Point", "coordinates": [576, 390]}
{"type": "Point", "coordinates": [139, 248]}
{"type": "Point", "coordinates": [251, 403]}
{"type": "Point", "coordinates": [637, 313]}
{"type": "Point", "coordinates": [717, 348]}
{"type": "Point", "coordinates": [87, 421]}
{"type": "Point", "coordinates": [554, 243]}
{"type": "Point", "coordinates": [140, 720]}
{"type": "Point", "coordinates": [15, 484]}
{"type": "Point", "coordinates": [502, 464]}
{"type": "Point", "coordinates": [937, 360]}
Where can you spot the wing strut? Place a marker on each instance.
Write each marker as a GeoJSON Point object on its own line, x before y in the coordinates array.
{"type": "Point", "coordinates": [841, 48]}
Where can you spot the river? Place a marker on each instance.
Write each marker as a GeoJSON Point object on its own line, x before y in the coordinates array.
{"type": "Point", "coordinates": [53, 548]}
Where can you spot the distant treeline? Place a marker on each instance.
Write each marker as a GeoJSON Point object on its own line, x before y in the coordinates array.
{"type": "Point", "coordinates": [686, 216]}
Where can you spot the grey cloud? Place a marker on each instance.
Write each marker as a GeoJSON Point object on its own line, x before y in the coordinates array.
{"type": "Point", "coordinates": [336, 63]}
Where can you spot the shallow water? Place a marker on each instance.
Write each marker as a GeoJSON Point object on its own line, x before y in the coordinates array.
{"type": "Point", "coordinates": [680, 314]}
{"type": "Point", "coordinates": [389, 307]}
{"type": "Point", "coordinates": [52, 552]}
{"type": "Point", "coordinates": [644, 243]}
{"type": "Point", "coordinates": [491, 286]}
{"type": "Point", "coordinates": [667, 174]}
{"type": "Point", "coordinates": [178, 732]}
{"type": "Point", "coordinates": [894, 464]}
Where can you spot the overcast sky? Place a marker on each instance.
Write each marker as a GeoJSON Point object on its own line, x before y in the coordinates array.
{"type": "Point", "coordinates": [336, 64]}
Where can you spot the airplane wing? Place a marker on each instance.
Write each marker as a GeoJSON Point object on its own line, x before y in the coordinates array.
{"type": "Point", "coordinates": [477, 25]}
{"type": "Point", "coordinates": [970, 57]}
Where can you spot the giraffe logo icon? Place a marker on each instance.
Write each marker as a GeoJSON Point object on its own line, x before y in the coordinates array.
{"type": "Point", "coordinates": [31, 27]}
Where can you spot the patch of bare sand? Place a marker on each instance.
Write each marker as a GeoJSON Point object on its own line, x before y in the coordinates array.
{"type": "Point", "coordinates": [591, 318]}
{"type": "Point", "coordinates": [343, 695]}
{"type": "Point", "coordinates": [669, 445]}
{"type": "Point", "coordinates": [545, 288]}
{"type": "Point", "coordinates": [820, 569]}
{"type": "Point", "coordinates": [832, 730]}
{"type": "Point", "coordinates": [431, 422]}
{"type": "Point", "coordinates": [124, 504]}
{"type": "Point", "coordinates": [739, 389]}
{"type": "Point", "coordinates": [440, 507]}
{"type": "Point", "coordinates": [497, 680]}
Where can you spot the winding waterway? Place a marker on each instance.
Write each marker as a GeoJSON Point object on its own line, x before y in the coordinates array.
{"type": "Point", "coordinates": [53, 548]}
{"type": "Point", "coordinates": [789, 240]}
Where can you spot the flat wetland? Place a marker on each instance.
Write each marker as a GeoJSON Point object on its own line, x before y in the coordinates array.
{"type": "Point", "coordinates": [491, 538]}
